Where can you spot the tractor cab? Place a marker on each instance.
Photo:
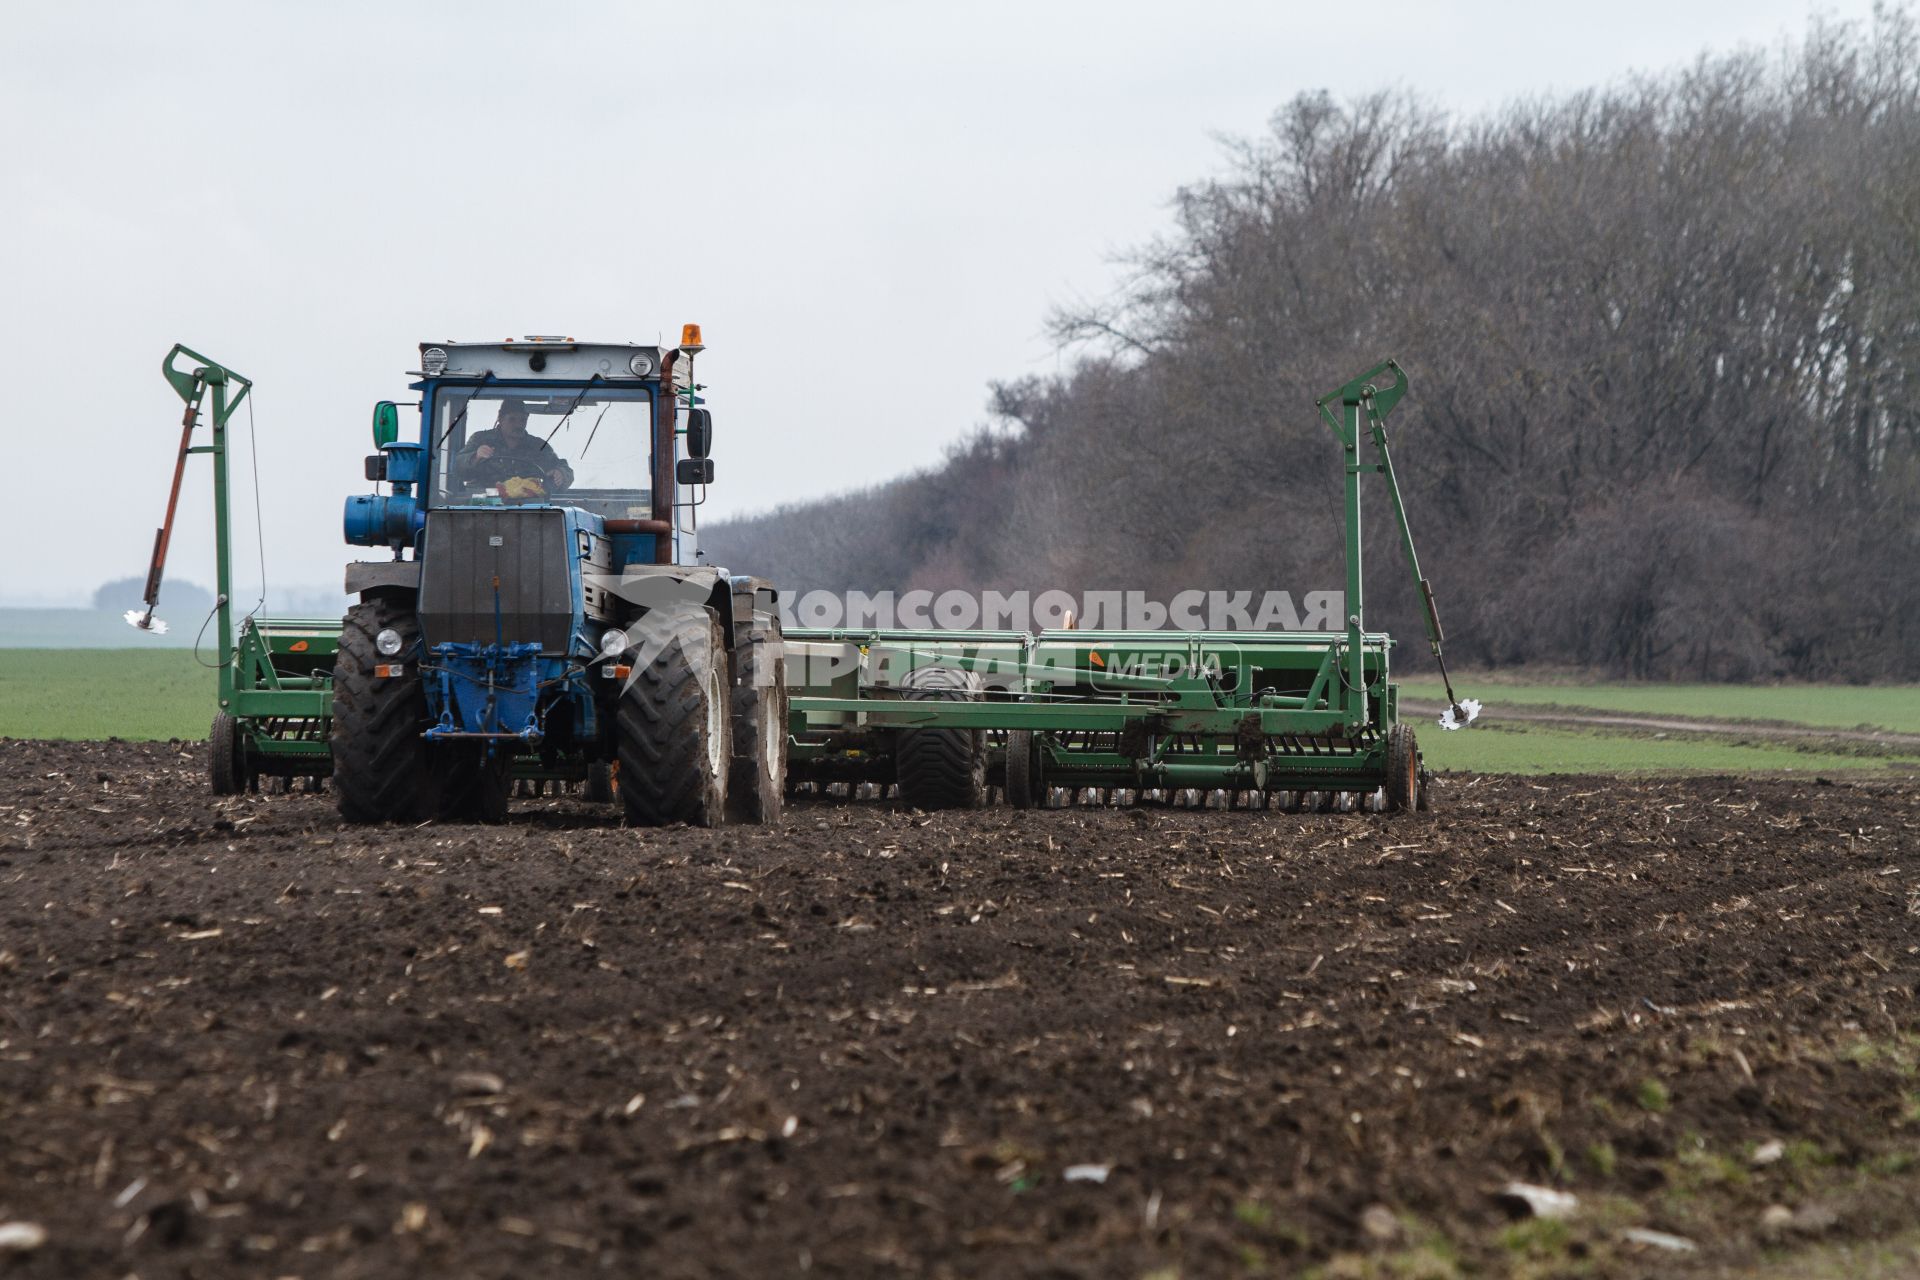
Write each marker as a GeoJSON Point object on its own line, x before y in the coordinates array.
{"type": "Point", "coordinates": [611, 430]}
{"type": "Point", "coordinates": [546, 420]}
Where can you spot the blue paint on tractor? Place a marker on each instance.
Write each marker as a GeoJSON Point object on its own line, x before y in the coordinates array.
{"type": "Point", "coordinates": [382, 520]}
{"type": "Point", "coordinates": [491, 690]}
{"type": "Point", "coordinates": [390, 520]}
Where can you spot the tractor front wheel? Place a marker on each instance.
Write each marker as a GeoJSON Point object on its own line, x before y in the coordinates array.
{"type": "Point", "coordinates": [672, 723]}
{"type": "Point", "coordinates": [380, 754]}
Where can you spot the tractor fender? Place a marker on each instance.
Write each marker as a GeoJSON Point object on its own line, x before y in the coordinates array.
{"type": "Point", "coordinates": [752, 602]}
{"type": "Point", "coordinates": [734, 600]}
{"type": "Point", "coordinates": [366, 576]}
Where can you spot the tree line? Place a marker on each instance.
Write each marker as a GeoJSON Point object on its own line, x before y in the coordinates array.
{"type": "Point", "coordinates": [1664, 346]}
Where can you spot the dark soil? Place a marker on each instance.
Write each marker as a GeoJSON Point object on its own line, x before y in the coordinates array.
{"type": "Point", "coordinates": [240, 1039]}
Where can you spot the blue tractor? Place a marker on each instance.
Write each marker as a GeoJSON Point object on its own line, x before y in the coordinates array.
{"type": "Point", "coordinates": [543, 614]}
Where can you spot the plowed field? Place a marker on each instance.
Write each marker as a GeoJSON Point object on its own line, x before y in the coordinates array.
{"type": "Point", "coordinates": [240, 1039]}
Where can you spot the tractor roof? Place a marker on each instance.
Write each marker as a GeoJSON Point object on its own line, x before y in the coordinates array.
{"type": "Point", "coordinates": [540, 357]}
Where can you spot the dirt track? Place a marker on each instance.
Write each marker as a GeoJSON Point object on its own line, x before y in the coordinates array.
{"type": "Point", "coordinates": [240, 1040]}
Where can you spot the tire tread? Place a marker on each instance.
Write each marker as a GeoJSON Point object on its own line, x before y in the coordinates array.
{"type": "Point", "coordinates": [941, 768]}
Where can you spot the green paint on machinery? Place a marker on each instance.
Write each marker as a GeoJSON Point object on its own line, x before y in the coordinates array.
{"type": "Point", "coordinates": [1286, 715]}
{"type": "Point", "coordinates": [275, 675]}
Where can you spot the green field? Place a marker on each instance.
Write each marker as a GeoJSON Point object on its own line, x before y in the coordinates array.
{"type": "Point", "coordinates": [165, 693]}
{"type": "Point", "coordinates": [104, 693]}
{"type": "Point", "coordinates": [1533, 748]}
{"type": "Point", "coordinates": [1895, 707]}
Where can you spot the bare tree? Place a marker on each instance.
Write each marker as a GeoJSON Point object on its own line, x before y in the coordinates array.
{"type": "Point", "coordinates": [1665, 337]}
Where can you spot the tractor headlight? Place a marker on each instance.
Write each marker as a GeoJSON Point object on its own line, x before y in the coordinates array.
{"type": "Point", "coordinates": [433, 361]}
{"type": "Point", "coordinates": [388, 642]}
{"type": "Point", "coordinates": [641, 364]}
{"type": "Point", "coordinates": [613, 642]}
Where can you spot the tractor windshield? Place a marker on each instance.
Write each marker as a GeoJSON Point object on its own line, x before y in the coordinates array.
{"type": "Point", "coordinates": [585, 447]}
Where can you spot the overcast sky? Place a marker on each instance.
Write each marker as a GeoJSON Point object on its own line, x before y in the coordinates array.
{"type": "Point", "coordinates": [869, 207]}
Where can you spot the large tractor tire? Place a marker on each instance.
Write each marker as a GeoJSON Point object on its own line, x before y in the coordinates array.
{"type": "Point", "coordinates": [469, 785]}
{"type": "Point", "coordinates": [225, 766]}
{"type": "Point", "coordinates": [599, 786]}
{"type": "Point", "coordinates": [941, 768]}
{"type": "Point", "coordinates": [1403, 769]}
{"type": "Point", "coordinates": [380, 758]}
{"type": "Point", "coordinates": [673, 720]}
{"type": "Point", "coordinates": [756, 787]}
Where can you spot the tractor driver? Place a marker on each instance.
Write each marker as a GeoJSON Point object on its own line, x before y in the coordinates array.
{"type": "Point", "coordinates": [508, 452]}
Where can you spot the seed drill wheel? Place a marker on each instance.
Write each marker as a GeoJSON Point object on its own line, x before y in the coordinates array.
{"type": "Point", "coordinates": [672, 724]}
{"type": "Point", "coordinates": [380, 759]}
{"type": "Point", "coordinates": [225, 763]}
{"type": "Point", "coordinates": [1024, 787]}
{"type": "Point", "coordinates": [756, 788]}
{"type": "Point", "coordinates": [941, 768]}
{"type": "Point", "coordinates": [1403, 769]}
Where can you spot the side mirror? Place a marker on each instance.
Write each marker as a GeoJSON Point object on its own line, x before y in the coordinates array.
{"type": "Point", "coordinates": [699, 433]}
{"type": "Point", "coordinates": [386, 424]}
{"type": "Point", "coordinates": [376, 466]}
{"type": "Point", "coordinates": [693, 471]}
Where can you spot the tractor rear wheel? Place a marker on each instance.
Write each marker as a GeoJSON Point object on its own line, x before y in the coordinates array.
{"type": "Point", "coordinates": [941, 768]}
{"type": "Point", "coordinates": [756, 789]}
{"type": "Point", "coordinates": [223, 755]}
{"type": "Point", "coordinates": [380, 761]}
{"type": "Point", "coordinates": [470, 785]}
{"type": "Point", "coordinates": [599, 786]}
{"type": "Point", "coordinates": [1403, 769]}
{"type": "Point", "coordinates": [672, 722]}
{"type": "Point", "coordinates": [1023, 769]}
